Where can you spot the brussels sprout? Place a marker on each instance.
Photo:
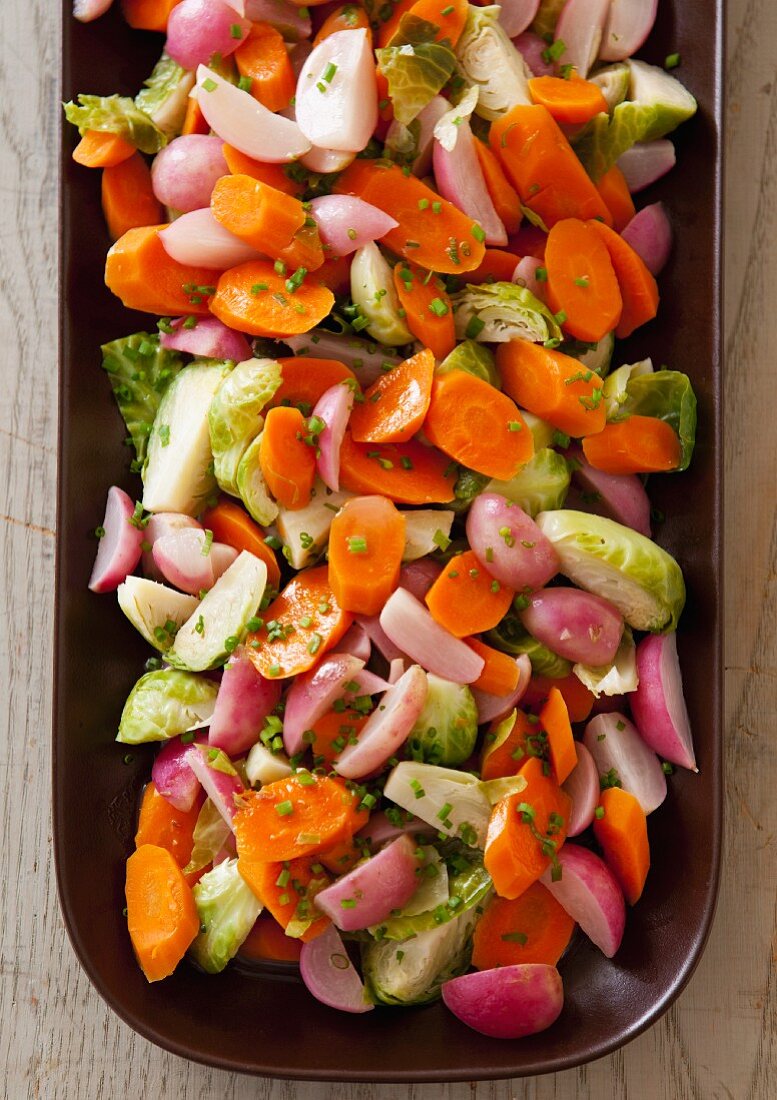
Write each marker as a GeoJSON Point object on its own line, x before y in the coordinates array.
{"type": "Point", "coordinates": [596, 357]}
{"type": "Point", "coordinates": [538, 486]}
{"type": "Point", "coordinates": [447, 728]}
{"type": "Point", "coordinates": [227, 908]}
{"type": "Point", "coordinates": [475, 359]}
{"type": "Point", "coordinates": [426, 530]}
{"type": "Point", "coordinates": [451, 800]}
{"type": "Point", "coordinates": [211, 833]}
{"type": "Point", "coordinates": [433, 888]}
{"type": "Point", "coordinates": [415, 74]}
{"type": "Point", "coordinates": [500, 312]}
{"type": "Point", "coordinates": [668, 395]}
{"type": "Point", "coordinates": [165, 704]}
{"type": "Point", "coordinates": [511, 637]}
{"type": "Point", "coordinates": [543, 433]}
{"type": "Point", "coordinates": [469, 484]}
{"type": "Point", "coordinates": [165, 95]}
{"type": "Point", "coordinates": [617, 678]}
{"type": "Point", "coordinates": [253, 488]}
{"type": "Point", "coordinates": [234, 417]}
{"type": "Point", "coordinates": [374, 293]}
{"type": "Point", "coordinates": [643, 581]}
{"type": "Point", "coordinates": [305, 531]}
{"type": "Point", "coordinates": [547, 17]}
{"type": "Point", "coordinates": [155, 610]}
{"type": "Point", "coordinates": [116, 114]}
{"type": "Point", "coordinates": [265, 766]}
{"type": "Point", "coordinates": [491, 63]}
{"type": "Point", "coordinates": [614, 386]}
{"type": "Point", "coordinates": [613, 82]}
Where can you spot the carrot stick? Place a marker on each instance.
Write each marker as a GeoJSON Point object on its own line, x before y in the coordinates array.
{"type": "Point", "coordinates": [477, 425]}
{"type": "Point", "coordinates": [232, 525]}
{"type": "Point", "coordinates": [254, 298]}
{"type": "Point", "coordinates": [502, 193]}
{"type": "Point", "coordinates": [507, 745]}
{"type": "Point", "coordinates": [581, 282]}
{"type": "Point", "coordinates": [533, 928]}
{"type": "Point", "coordinates": [466, 599]}
{"type": "Point", "coordinates": [194, 121]}
{"type": "Point", "coordinates": [366, 543]}
{"type": "Point", "coordinates": [622, 835]}
{"type": "Point", "coordinates": [127, 197]}
{"type": "Point", "coordinates": [348, 17]}
{"type": "Point", "coordinates": [257, 213]}
{"type": "Point", "coordinates": [288, 463]}
{"type": "Point", "coordinates": [578, 698]}
{"type": "Point", "coordinates": [554, 719]}
{"type": "Point", "coordinates": [272, 174]}
{"type": "Point", "coordinates": [449, 17]}
{"type": "Point", "coordinates": [500, 673]}
{"type": "Point", "coordinates": [638, 445]}
{"type": "Point", "coordinates": [332, 732]}
{"type": "Point", "coordinates": [263, 59]}
{"type": "Point", "coordinates": [396, 403]}
{"type": "Point", "coordinates": [407, 473]}
{"type": "Point", "coordinates": [148, 15]}
{"type": "Point", "coordinates": [267, 940]}
{"type": "Point", "coordinates": [543, 168]}
{"type": "Point", "coordinates": [428, 312]}
{"type": "Point", "coordinates": [614, 190]}
{"type": "Point", "coordinates": [388, 29]}
{"type": "Point", "coordinates": [304, 379]}
{"type": "Point", "coordinates": [638, 287]}
{"type": "Point", "coordinates": [553, 386]}
{"type": "Point", "coordinates": [525, 830]}
{"type": "Point", "coordinates": [101, 149]}
{"type": "Point", "coordinates": [572, 101]}
{"type": "Point", "coordinates": [162, 825]}
{"type": "Point", "coordinates": [497, 266]}
{"type": "Point", "coordinates": [308, 621]}
{"type": "Point", "coordinates": [141, 274]}
{"type": "Point", "coordinates": [432, 232]}
{"type": "Point", "coordinates": [161, 915]}
{"type": "Point", "coordinates": [282, 887]}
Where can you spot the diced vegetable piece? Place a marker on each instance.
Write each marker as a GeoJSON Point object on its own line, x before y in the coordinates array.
{"type": "Point", "coordinates": [489, 62]}
{"type": "Point", "coordinates": [305, 531]}
{"type": "Point", "coordinates": [368, 893]}
{"type": "Point", "coordinates": [533, 928]}
{"type": "Point", "coordinates": [220, 780]}
{"type": "Point", "coordinates": [154, 609]}
{"type": "Point", "coordinates": [576, 625]}
{"type": "Point", "coordinates": [466, 599]}
{"type": "Point", "coordinates": [263, 765]}
{"type": "Point", "coordinates": [387, 727]}
{"type": "Point", "coordinates": [120, 544]}
{"type": "Point", "coordinates": [161, 915]}
{"type": "Point", "coordinates": [337, 98]}
{"type": "Point", "coordinates": [621, 831]}
{"type": "Point", "coordinates": [366, 544]}
{"type": "Point", "coordinates": [453, 801]}
{"type": "Point", "coordinates": [244, 701]}
{"type": "Point", "coordinates": [493, 707]}
{"type": "Point", "coordinates": [582, 786]}
{"type": "Point", "coordinates": [312, 694]}
{"type": "Point", "coordinates": [412, 629]}
{"type": "Point", "coordinates": [184, 558]}
{"type": "Point", "coordinates": [235, 415]}
{"type": "Point", "coordinates": [374, 293]}
{"type": "Point", "coordinates": [171, 775]}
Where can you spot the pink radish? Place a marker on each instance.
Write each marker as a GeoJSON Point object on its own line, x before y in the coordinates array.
{"type": "Point", "coordinates": [183, 559]}
{"type": "Point", "coordinates": [346, 223]}
{"type": "Point", "coordinates": [509, 544]}
{"type": "Point", "coordinates": [160, 524]}
{"type": "Point", "coordinates": [629, 22]}
{"type": "Point", "coordinates": [590, 893]}
{"type": "Point", "coordinates": [330, 975]}
{"type": "Point", "coordinates": [290, 19]}
{"type": "Point", "coordinates": [418, 576]}
{"type": "Point", "coordinates": [337, 93]}
{"type": "Point", "coordinates": [397, 669]}
{"type": "Point", "coordinates": [516, 15]}
{"type": "Point", "coordinates": [356, 641]}
{"type": "Point", "coordinates": [184, 173]}
{"type": "Point", "coordinates": [379, 830]}
{"type": "Point", "coordinates": [650, 235]}
{"type": "Point", "coordinates": [621, 497]}
{"type": "Point", "coordinates": [312, 694]}
{"type": "Point", "coordinates": [171, 774]}
{"type": "Point", "coordinates": [120, 546]}
{"type": "Point", "coordinates": [509, 1002]}
{"type": "Point", "coordinates": [532, 48]}
{"type": "Point", "coordinates": [427, 120]}
{"type": "Point", "coordinates": [646, 162]}
{"type": "Point", "coordinates": [220, 787]}
{"type": "Point", "coordinates": [580, 27]}
{"type": "Point", "coordinates": [619, 751]}
{"type": "Point", "coordinates": [411, 628]}
{"type": "Point", "coordinates": [379, 638]}
{"type": "Point", "coordinates": [209, 338]}
{"type": "Point", "coordinates": [582, 786]}
{"type": "Point", "coordinates": [366, 683]}
{"type": "Point", "coordinates": [387, 727]}
{"type": "Point", "coordinates": [574, 624]}
{"type": "Point", "coordinates": [658, 704]}
{"type": "Point", "coordinates": [460, 180]}
{"type": "Point", "coordinates": [525, 274]}
{"type": "Point", "coordinates": [368, 893]}
{"type": "Point", "coordinates": [244, 700]}
{"type": "Point", "coordinates": [333, 408]}
{"type": "Point", "coordinates": [196, 29]}
{"type": "Point", "coordinates": [87, 10]}
{"type": "Point", "coordinates": [197, 238]}
{"type": "Point", "coordinates": [490, 707]}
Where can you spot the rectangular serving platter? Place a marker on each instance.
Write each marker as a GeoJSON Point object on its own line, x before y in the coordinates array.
{"type": "Point", "coordinates": [266, 1023]}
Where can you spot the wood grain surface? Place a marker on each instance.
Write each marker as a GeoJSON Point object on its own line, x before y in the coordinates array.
{"type": "Point", "coordinates": [57, 1038]}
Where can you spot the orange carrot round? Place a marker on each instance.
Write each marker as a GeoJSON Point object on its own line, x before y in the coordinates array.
{"type": "Point", "coordinates": [396, 403]}
{"type": "Point", "coordinates": [141, 274]}
{"type": "Point", "coordinates": [448, 18]}
{"type": "Point", "coordinates": [507, 745]}
{"type": "Point", "coordinates": [101, 149]}
{"type": "Point", "coordinates": [532, 928]}
{"type": "Point", "coordinates": [148, 15]}
{"type": "Point", "coordinates": [304, 379]}
{"type": "Point", "coordinates": [267, 940]}
{"type": "Point", "coordinates": [164, 826]}
{"type": "Point", "coordinates": [428, 312]}
{"type": "Point", "coordinates": [288, 463]}
{"type": "Point", "coordinates": [578, 698]}
{"type": "Point", "coordinates": [554, 719]}
{"type": "Point", "coordinates": [387, 30]}
{"type": "Point", "coordinates": [614, 190]}
{"type": "Point", "coordinates": [638, 445]}
{"type": "Point", "coordinates": [259, 214]}
{"type": "Point", "coordinates": [347, 17]}
{"type": "Point", "coordinates": [572, 101]}
{"type": "Point", "coordinates": [128, 199]}
{"type": "Point", "coordinates": [497, 266]}
{"type": "Point", "coordinates": [581, 282]}
{"type": "Point", "coordinates": [553, 386]}
{"type": "Point", "coordinates": [161, 915]}
{"type": "Point", "coordinates": [366, 543]}
{"type": "Point", "coordinates": [500, 672]}
{"type": "Point", "coordinates": [282, 887]}
{"type": "Point", "coordinates": [407, 473]}
{"type": "Point", "coordinates": [332, 732]}
{"type": "Point", "coordinates": [466, 599]}
{"type": "Point", "coordinates": [272, 174]}
{"type": "Point", "coordinates": [254, 298]}
{"type": "Point", "coordinates": [501, 192]}
{"type": "Point", "coordinates": [622, 834]}
{"type": "Point", "coordinates": [263, 59]}
{"type": "Point", "coordinates": [639, 289]}
{"type": "Point", "coordinates": [232, 525]}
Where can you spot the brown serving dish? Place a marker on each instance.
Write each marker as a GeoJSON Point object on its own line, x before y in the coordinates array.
{"type": "Point", "coordinates": [267, 1023]}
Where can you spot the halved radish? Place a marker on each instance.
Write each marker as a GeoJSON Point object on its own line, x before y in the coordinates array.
{"type": "Point", "coordinates": [220, 785]}
{"type": "Point", "coordinates": [368, 893]}
{"type": "Point", "coordinates": [490, 707]}
{"type": "Point", "coordinates": [160, 524]}
{"type": "Point", "coordinates": [312, 694]}
{"type": "Point", "coordinates": [574, 624]}
{"type": "Point", "coordinates": [120, 544]}
{"type": "Point", "coordinates": [379, 638]}
{"type": "Point", "coordinates": [221, 557]}
{"type": "Point", "coordinates": [525, 274]}
{"type": "Point", "coordinates": [619, 751]}
{"type": "Point", "coordinates": [208, 337]}
{"type": "Point", "coordinates": [198, 239]}
{"type": "Point", "coordinates": [509, 544]}
{"type": "Point", "coordinates": [582, 786]}
{"type": "Point", "coordinates": [183, 558]}
{"type": "Point", "coordinates": [590, 893]}
{"type": "Point", "coordinates": [387, 727]}
{"type": "Point", "coordinates": [650, 235]}
{"type": "Point", "coordinates": [356, 641]}
{"type": "Point", "coordinates": [411, 628]}
{"type": "Point", "coordinates": [397, 669]}
{"type": "Point", "coordinates": [508, 1002]}
{"type": "Point", "coordinates": [171, 774]}
{"type": "Point", "coordinates": [646, 162]}
{"type": "Point", "coordinates": [534, 51]}
{"type": "Point", "coordinates": [658, 704]}
{"type": "Point", "coordinates": [418, 576]}
{"type": "Point", "coordinates": [244, 700]}
{"type": "Point", "coordinates": [580, 28]}
{"type": "Point", "coordinates": [333, 408]}
{"type": "Point", "coordinates": [516, 15]}
{"type": "Point", "coordinates": [330, 975]}
{"type": "Point", "coordinates": [629, 22]}
{"type": "Point", "coordinates": [346, 223]}
{"type": "Point", "coordinates": [197, 29]}
{"type": "Point", "coordinates": [337, 93]}
{"type": "Point", "coordinates": [621, 497]}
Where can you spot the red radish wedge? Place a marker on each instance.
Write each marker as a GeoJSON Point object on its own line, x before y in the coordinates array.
{"type": "Point", "coordinates": [333, 408]}
{"type": "Point", "coordinates": [623, 758]}
{"type": "Point", "coordinates": [509, 544]}
{"type": "Point", "coordinates": [379, 830]}
{"type": "Point", "coordinates": [418, 576]}
{"type": "Point", "coordinates": [412, 629]}
{"type": "Point", "coordinates": [491, 707]}
{"type": "Point", "coordinates": [292, 20]}
{"type": "Point", "coordinates": [220, 786]}
{"type": "Point", "coordinates": [580, 28]}
{"type": "Point", "coordinates": [244, 700]}
{"type": "Point", "coordinates": [646, 162]}
{"type": "Point", "coordinates": [534, 49]}
{"type": "Point", "coordinates": [330, 975]}
{"type": "Point", "coordinates": [582, 786]}
{"type": "Point", "coordinates": [209, 338]}
{"type": "Point", "coordinates": [525, 274]}
{"type": "Point", "coordinates": [629, 22]}
{"type": "Point", "coordinates": [198, 239]}
{"type": "Point", "coordinates": [183, 559]}
{"type": "Point", "coordinates": [196, 29]}
{"type": "Point", "coordinates": [159, 525]}
{"type": "Point", "coordinates": [120, 545]}
{"type": "Point", "coordinates": [312, 694]}
{"type": "Point", "coordinates": [650, 235]}
{"type": "Point", "coordinates": [508, 1002]}
{"type": "Point", "coordinates": [460, 179]}
{"type": "Point", "coordinates": [337, 93]}
{"type": "Point", "coordinates": [368, 893]}
{"type": "Point", "coordinates": [516, 15]}
{"type": "Point", "coordinates": [574, 624]}
{"type": "Point", "coordinates": [658, 704]}
{"type": "Point", "coordinates": [621, 497]}
{"type": "Point", "coordinates": [379, 638]}
{"type": "Point", "coordinates": [356, 641]}
{"type": "Point", "coordinates": [184, 173]}
{"type": "Point", "coordinates": [171, 774]}
{"type": "Point", "coordinates": [590, 893]}
{"type": "Point", "coordinates": [87, 10]}
{"type": "Point", "coordinates": [387, 728]}
{"type": "Point", "coordinates": [346, 223]}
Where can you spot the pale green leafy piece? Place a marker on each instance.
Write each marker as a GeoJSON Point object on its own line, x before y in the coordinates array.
{"type": "Point", "coordinates": [490, 62]}
{"type": "Point", "coordinates": [373, 291]}
{"type": "Point", "coordinates": [165, 94]}
{"type": "Point", "coordinates": [596, 357]}
{"type": "Point", "coordinates": [165, 704]}
{"type": "Point", "coordinates": [235, 416]}
{"type": "Point", "coordinates": [500, 312]}
{"type": "Point", "coordinates": [253, 488]}
{"type": "Point", "coordinates": [227, 908]}
{"type": "Point", "coordinates": [474, 359]}
{"type": "Point", "coordinates": [538, 486]}
{"type": "Point", "coordinates": [512, 637]}
{"type": "Point", "coordinates": [415, 74]}
{"type": "Point", "coordinates": [116, 114]}
{"type": "Point", "coordinates": [614, 385]}
{"type": "Point", "coordinates": [446, 730]}
{"type": "Point", "coordinates": [613, 82]}
{"type": "Point", "coordinates": [617, 678]}
{"type": "Point", "coordinates": [211, 832]}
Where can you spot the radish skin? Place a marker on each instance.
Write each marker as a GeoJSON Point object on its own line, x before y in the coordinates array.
{"type": "Point", "coordinates": [312, 694]}
{"type": "Point", "coordinates": [330, 975]}
{"type": "Point", "coordinates": [492, 707]}
{"type": "Point", "coordinates": [387, 728]}
{"type": "Point", "coordinates": [508, 1002]}
{"type": "Point", "coordinates": [120, 545]}
{"type": "Point", "coordinates": [582, 786]}
{"type": "Point", "coordinates": [171, 774]}
{"type": "Point", "coordinates": [615, 745]}
{"type": "Point", "coordinates": [590, 893]}
{"type": "Point", "coordinates": [528, 562]}
{"type": "Point", "coordinates": [220, 787]}
{"type": "Point", "coordinates": [411, 628]}
{"type": "Point", "coordinates": [658, 704]}
{"type": "Point", "coordinates": [334, 408]}
{"type": "Point", "coordinates": [371, 890]}
{"type": "Point", "coordinates": [577, 625]}
{"type": "Point", "coordinates": [244, 701]}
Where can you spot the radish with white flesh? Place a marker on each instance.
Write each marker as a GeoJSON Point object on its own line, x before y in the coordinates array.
{"type": "Point", "coordinates": [509, 544]}
{"type": "Point", "coordinates": [244, 700]}
{"type": "Point", "coordinates": [87, 10]}
{"type": "Point", "coordinates": [242, 121]}
{"type": "Point", "coordinates": [621, 497]}
{"type": "Point", "coordinates": [184, 173]}
{"type": "Point", "coordinates": [326, 161]}
{"type": "Point", "coordinates": [379, 638]}
{"type": "Point", "coordinates": [333, 408]}
{"type": "Point", "coordinates": [221, 556]}
{"type": "Point", "coordinates": [365, 683]}
{"type": "Point", "coordinates": [525, 274]}
{"type": "Point", "coordinates": [590, 893]}
{"type": "Point", "coordinates": [534, 51]}
{"type": "Point", "coordinates": [582, 786]}
{"type": "Point", "coordinates": [196, 29]}
{"type": "Point", "coordinates": [366, 359]}
{"type": "Point", "coordinates": [646, 162]}
{"type": "Point", "coordinates": [265, 766]}
{"type": "Point", "coordinates": [658, 704]}
{"type": "Point", "coordinates": [208, 337]}
{"type": "Point", "coordinates": [305, 531]}
{"type": "Point", "coordinates": [454, 802]}
{"type": "Point", "coordinates": [198, 239]}
{"type": "Point", "coordinates": [418, 576]}
{"type": "Point", "coordinates": [460, 179]}
{"type": "Point", "coordinates": [337, 93]}
{"type": "Point", "coordinates": [330, 975]}
{"type": "Point", "coordinates": [292, 20]}
{"type": "Point", "coordinates": [508, 1002]}
{"type": "Point", "coordinates": [121, 543]}
{"type": "Point", "coordinates": [356, 641]}
{"type": "Point", "coordinates": [425, 530]}
{"type": "Point", "coordinates": [621, 755]}
{"type": "Point", "coordinates": [171, 774]}
{"type": "Point", "coordinates": [490, 707]}
{"type": "Point", "coordinates": [346, 223]}
{"type": "Point", "coordinates": [412, 629]}
{"type": "Point", "coordinates": [629, 22]}
{"type": "Point", "coordinates": [218, 777]}
{"type": "Point", "coordinates": [379, 830]}
{"type": "Point", "coordinates": [650, 235]}
{"type": "Point", "coordinates": [574, 624]}
{"type": "Point", "coordinates": [397, 669]}
{"type": "Point", "coordinates": [155, 610]}
{"type": "Point", "coordinates": [580, 27]}
{"type": "Point", "coordinates": [312, 694]}
{"type": "Point", "coordinates": [387, 727]}
{"type": "Point", "coordinates": [368, 893]}
{"type": "Point", "coordinates": [516, 15]}
{"type": "Point", "coordinates": [183, 558]}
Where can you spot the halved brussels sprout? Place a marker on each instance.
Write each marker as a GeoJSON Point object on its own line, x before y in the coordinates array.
{"type": "Point", "coordinates": [447, 728]}
{"type": "Point", "coordinates": [165, 704]}
{"type": "Point", "coordinates": [614, 385]}
{"type": "Point", "coordinates": [500, 312]}
{"type": "Point", "coordinates": [155, 610]}
{"type": "Point", "coordinates": [211, 833]}
{"type": "Point", "coordinates": [453, 801]}
{"type": "Point", "coordinates": [165, 94]}
{"type": "Point", "coordinates": [491, 63]}
{"type": "Point", "coordinates": [253, 488]}
{"type": "Point", "coordinates": [116, 114]}
{"type": "Point", "coordinates": [235, 415]}
{"type": "Point", "coordinates": [227, 908]}
{"type": "Point", "coordinates": [512, 637]}
{"type": "Point", "coordinates": [373, 291]}
{"type": "Point", "coordinates": [415, 73]}
{"type": "Point", "coordinates": [668, 395]}
{"type": "Point", "coordinates": [538, 486]}
{"type": "Point", "coordinates": [474, 359]}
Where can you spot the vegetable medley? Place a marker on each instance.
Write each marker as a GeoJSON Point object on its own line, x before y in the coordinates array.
{"type": "Point", "coordinates": [415, 686]}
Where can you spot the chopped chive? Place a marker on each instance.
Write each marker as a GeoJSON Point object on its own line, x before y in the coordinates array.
{"type": "Point", "coordinates": [245, 83]}
{"type": "Point", "coordinates": [356, 544]}
{"type": "Point", "coordinates": [283, 809]}
{"type": "Point", "coordinates": [329, 72]}
{"type": "Point", "coordinates": [672, 61]}
{"type": "Point", "coordinates": [478, 233]}
{"type": "Point", "coordinates": [209, 85]}
{"type": "Point", "coordinates": [236, 31]}
{"type": "Point", "coordinates": [438, 307]}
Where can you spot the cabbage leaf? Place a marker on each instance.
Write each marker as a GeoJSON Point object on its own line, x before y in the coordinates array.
{"type": "Point", "coordinates": [499, 312]}
{"type": "Point", "coordinates": [235, 416]}
{"type": "Point", "coordinates": [415, 74]}
{"type": "Point", "coordinates": [116, 114]}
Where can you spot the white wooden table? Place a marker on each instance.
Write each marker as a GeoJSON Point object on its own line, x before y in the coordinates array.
{"type": "Point", "coordinates": [57, 1038]}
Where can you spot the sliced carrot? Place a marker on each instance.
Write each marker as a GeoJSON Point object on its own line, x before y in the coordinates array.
{"type": "Point", "coordinates": [347, 17]}
{"type": "Point", "coordinates": [500, 672]}
{"type": "Point", "coordinates": [161, 824]}
{"type": "Point", "coordinates": [622, 835]}
{"type": "Point", "coordinates": [257, 213]}
{"type": "Point", "coordinates": [385, 106]}
{"type": "Point", "coordinates": [194, 121]}
{"type": "Point", "coordinates": [637, 445]}
{"type": "Point", "coordinates": [267, 940]}
{"type": "Point", "coordinates": [572, 101]}
{"type": "Point", "coordinates": [232, 525]}
{"type": "Point", "coordinates": [263, 59]}
{"type": "Point", "coordinates": [508, 743]}
{"type": "Point", "coordinates": [161, 915]}
{"type": "Point", "coordinates": [294, 648]}
{"type": "Point", "coordinates": [578, 698]}
{"type": "Point", "coordinates": [254, 298]}
{"type": "Point", "coordinates": [448, 18]}
{"type": "Point", "coordinates": [332, 732]}
{"type": "Point", "coordinates": [272, 174]}
{"type": "Point", "coordinates": [497, 266]}
{"type": "Point", "coordinates": [477, 425]}
{"type": "Point", "coordinates": [148, 15]}
{"type": "Point", "coordinates": [341, 857]}
{"type": "Point", "coordinates": [638, 287]}
{"type": "Point", "coordinates": [543, 168]}
{"type": "Point", "coordinates": [614, 190]}
{"type": "Point", "coordinates": [407, 473]}
{"type": "Point", "coordinates": [553, 386]}
{"type": "Point", "coordinates": [128, 199]}
{"type": "Point", "coordinates": [304, 379]}
{"type": "Point", "coordinates": [366, 543]}
{"type": "Point", "coordinates": [288, 463]}
{"type": "Point", "coordinates": [428, 312]}
{"type": "Point", "coordinates": [282, 888]}
{"type": "Point", "coordinates": [466, 599]}
{"type": "Point", "coordinates": [388, 29]}
{"type": "Point", "coordinates": [502, 193]}
{"type": "Point", "coordinates": [554, 719]}
{"type": "Point", "coordinates": [581, 285]}
{"type": "Point", "coordinates": [532, 928]}
{"type": "Point", "coordinates": [334, 273]}
{"type": "Point", "coordinates": [101, 149]}
{"type": "Point", "coordinates": [432, 232]}
{"type": "Point", "coordinates": [396, 404]}
{"type": "Point", "coordinates": [525, 830]}
{"type": "Point", "coordinates": [141, 274]}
